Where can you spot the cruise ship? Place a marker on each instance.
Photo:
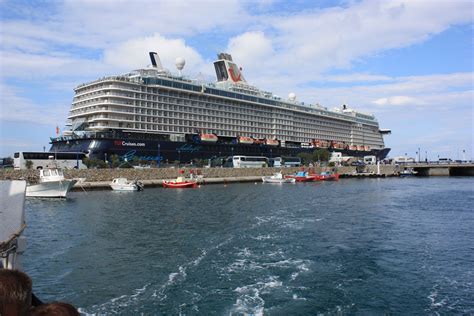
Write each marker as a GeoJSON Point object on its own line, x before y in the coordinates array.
{"type": "Point", "coordinates": [151, 114]}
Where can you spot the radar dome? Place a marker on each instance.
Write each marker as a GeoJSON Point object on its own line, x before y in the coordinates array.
{"type": "Point", "coordinates": [180, 62]}
{"type": "Point", "coordinates": [292, 96]}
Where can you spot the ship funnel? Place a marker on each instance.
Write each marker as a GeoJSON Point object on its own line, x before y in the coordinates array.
{"type": "Point", "coordinates": [155, 61]}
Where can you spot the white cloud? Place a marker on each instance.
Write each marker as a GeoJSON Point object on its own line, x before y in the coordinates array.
{"type": "Point", "coordinates": [100, 24]}
{"type": "Point", "coordinates": [133, 54]}
{"type": "Point", "coordinates": [308, 44]}
{"type": "Point", "coordinates": [356, 77]}
{"type": "Point", "coordinates": [396, 100]}
{"type": "Point", "coordinates": [15, 108]}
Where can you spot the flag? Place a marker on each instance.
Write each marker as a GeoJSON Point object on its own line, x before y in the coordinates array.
{"type": "Point", "coordinates": [57, 130]}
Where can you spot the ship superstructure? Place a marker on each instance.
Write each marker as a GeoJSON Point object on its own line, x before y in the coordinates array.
{"type": "Point", "coordinates": [152, 105]}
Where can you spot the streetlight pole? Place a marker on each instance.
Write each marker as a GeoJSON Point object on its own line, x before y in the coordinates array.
{"type": "Point", "coordinates": [419, 154]}
{"type": "Point", "coordinates": [158, 159]}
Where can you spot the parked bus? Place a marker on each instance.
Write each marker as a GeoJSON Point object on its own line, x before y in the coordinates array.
{"type": "Point", "coordinates": [403, 159]}
{"type": "Point", "coordinates": [279, 162]}
{"type": "Point", "coordinates": [246, 162]}
{"type": "Point", "coordinates": [40, 160]}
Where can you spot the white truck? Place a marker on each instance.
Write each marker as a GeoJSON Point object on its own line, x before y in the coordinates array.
{"type": "Point", "coordinates": [370, 160]}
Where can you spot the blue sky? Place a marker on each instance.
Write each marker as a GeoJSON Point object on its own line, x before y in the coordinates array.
{"type": "Point", "coordinates": [410, 63]}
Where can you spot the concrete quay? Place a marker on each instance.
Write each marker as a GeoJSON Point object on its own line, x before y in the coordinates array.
{"type": "Point", "coordinates": [441, 169]}
{"type": "Point", "coordinates": [99, 179]}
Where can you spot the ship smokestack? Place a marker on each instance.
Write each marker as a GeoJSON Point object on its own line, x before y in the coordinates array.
{"type": "Point", "coordinates": [155, 60]}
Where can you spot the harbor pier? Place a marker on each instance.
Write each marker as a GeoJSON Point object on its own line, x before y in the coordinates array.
{"type": "Point", "coordinates": [442, 169]}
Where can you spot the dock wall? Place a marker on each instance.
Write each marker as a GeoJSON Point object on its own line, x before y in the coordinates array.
{"type": "Point", "coordinates": [107, 175]}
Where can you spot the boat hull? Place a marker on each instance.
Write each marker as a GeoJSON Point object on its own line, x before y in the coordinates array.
{"type": "Point", "coordinates": [118, 187]}
{"type": "Point", "coordinates": [327, 177]}
{"type": "Point", "coordinates": [179, 185]}
{"type": "Point", "coordinates": [302, 178]}
{"type": "Point", "coordinates": [52, 189]}
{"type": "Point", "coordinates": [149, 148]}
{"type": "Point", "coordinates": [272, 180]}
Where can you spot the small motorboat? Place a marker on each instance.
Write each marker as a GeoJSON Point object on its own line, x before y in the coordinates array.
{"type": "Point", "coordinates": [52, 184]}
{"type": "Point", "coordinates": [408, 172]}
{"type": "Point", "coordinates": [277, 178]}
{"type": "Point", "coordinates": [327, 176]}
{"type": "Point", "coordinates": [122, 184]}
{"type": "Point", "coordinates": [180, 182]}
{"type": "Point", "coordinates": [302, 176]}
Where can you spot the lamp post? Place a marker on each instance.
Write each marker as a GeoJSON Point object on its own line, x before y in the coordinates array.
{"type": "Point", "coordinates": [417, 157]}
{"type": "Point", "coordinates": [158, 159]}
{"type": "Point", "coordinates": [419, 154]}
{"type": "Point", "coordinates": [426, 156]}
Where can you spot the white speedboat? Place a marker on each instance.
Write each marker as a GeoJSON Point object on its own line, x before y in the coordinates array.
{"type": "Point", "coordinates": [278, 178]}
{"type": "Point", "coordinates": [408, 172]}
{"type": "Point", "coordinates": [52, 184]}
{"type": "Point", "coordinates": [122, 184]}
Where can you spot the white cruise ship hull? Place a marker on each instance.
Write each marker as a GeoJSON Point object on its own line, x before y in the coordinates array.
{"type": "Point", "coordinates": [52, 189]}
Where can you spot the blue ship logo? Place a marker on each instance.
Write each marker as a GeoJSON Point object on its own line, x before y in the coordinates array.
{"type": "Point", "coordinates": [188, 148]}
{"type": "Point", "coordinates": [129, 155]}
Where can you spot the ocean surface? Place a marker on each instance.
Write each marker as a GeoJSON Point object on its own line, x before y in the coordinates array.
{"type": "Point", "coordinates": [367, 247]}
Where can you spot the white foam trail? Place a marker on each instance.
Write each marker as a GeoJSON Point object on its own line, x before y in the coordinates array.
{"type": "Point", "coordinates": [249, 301]}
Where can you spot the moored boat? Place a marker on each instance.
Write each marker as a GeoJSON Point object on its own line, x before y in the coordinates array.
{"type": "Point", "coordinates": [301, 176]}
{"type": "Point", "coordinates": [180, 182]}
{"type": "Point", "coordinates": [408, 172]}
{"type": "Point", "coordinates": [52, 184]}
{"type": "Point", "coordinates": [328, 176]}
{"type": "Point", "coordinates": [122, 184]}
{"type": "Point", "coordinates": [277, 178]}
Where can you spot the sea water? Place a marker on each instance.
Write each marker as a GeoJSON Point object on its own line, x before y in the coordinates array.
{"type": "Point", "coordinates": [371, 246]}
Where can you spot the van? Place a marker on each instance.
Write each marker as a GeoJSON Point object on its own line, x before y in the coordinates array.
{"type": "Point", "coordinates": [445, 160]}
{"type": "Point", "coordinates": [370, 160]}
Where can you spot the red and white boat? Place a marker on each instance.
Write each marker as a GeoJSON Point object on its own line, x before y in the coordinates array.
{"type": "Point", "coordinates": [208, 138]}
{"type": "Point", "coordinates": [179, 183]}
{"type": "Point", "coordinates": [326, 176]}
{"type": "Point", "coordinates": [301, 176]}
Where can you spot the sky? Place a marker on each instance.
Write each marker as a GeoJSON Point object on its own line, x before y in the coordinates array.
{"type": "Point", "coordinates": [410, 63]}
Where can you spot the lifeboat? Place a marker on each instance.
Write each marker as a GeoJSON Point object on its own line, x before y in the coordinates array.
{"type": "Point", "coordinates": [353, 147]}
{"type": "Point", "coordinates": [271, 142]}
{"type": "Point", "coordinates": [208, 138]}
{"type": "Point", "coordinates": [316, 143]}
{"type": "Point", "coordinates": [367, 148]}
{"type": "Point", "coordinates": [246, 140]}
{"type": "Point", "coordinates": [361, 148]}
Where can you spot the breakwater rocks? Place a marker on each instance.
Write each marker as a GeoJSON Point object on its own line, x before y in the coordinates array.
{"type": "Point", "coordinates": [152, 174]}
